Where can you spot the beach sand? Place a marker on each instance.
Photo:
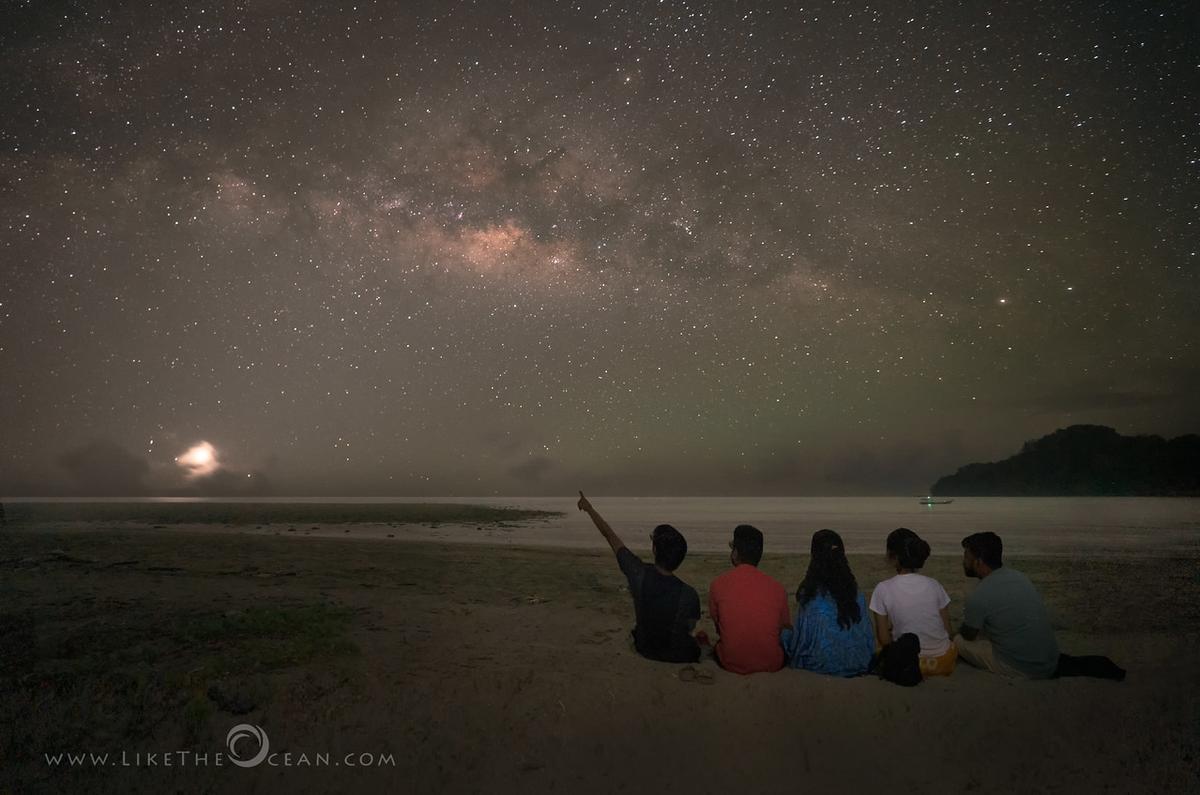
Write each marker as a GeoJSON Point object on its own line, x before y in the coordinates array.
{"type": "Point", "coordinates": [508, 669]}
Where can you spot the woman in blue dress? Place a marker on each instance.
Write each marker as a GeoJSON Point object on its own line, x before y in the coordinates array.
{"type": "Point", "coordinates": [833, 633]}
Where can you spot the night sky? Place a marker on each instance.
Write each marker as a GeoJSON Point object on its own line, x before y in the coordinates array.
{"type": "Point", "coordinates": [641, 248]}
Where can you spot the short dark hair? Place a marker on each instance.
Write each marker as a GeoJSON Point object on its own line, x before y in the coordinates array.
{"type": "Point", "coordinates": [748, 543]}
{"type": "Point", "coordinates": [670, 547]}
{"type": "Point", "coordinates": [986, 547]}
{"type": "Point", "coordinates": [908, 548]}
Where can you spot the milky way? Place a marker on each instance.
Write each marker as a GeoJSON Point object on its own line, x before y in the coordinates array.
{"type": "Point", "coordinates": [685, 248]}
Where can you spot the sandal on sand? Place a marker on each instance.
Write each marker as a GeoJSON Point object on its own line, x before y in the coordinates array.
{"type": "Point", "coordinates": [689, 673]}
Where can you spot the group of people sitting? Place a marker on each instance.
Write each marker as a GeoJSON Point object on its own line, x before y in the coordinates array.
{"type": "Point", "coordinates": [905, 627]}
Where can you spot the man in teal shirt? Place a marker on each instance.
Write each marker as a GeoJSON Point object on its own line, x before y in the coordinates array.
{"type": "Point", "coordinates": [1005, 627]}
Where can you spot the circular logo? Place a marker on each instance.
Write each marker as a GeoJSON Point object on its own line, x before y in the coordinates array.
{"type": "Point", "coordinates": [247, 730]}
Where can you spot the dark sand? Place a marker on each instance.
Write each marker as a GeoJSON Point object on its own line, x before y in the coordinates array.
{"type": "Point", "coordinates": [487, 669]}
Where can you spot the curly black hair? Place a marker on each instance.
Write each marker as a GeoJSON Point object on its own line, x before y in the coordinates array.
{"type": "Point", "coordinates": [829, 571]}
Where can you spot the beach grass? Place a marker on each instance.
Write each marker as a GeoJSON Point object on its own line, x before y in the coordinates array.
{"type": "Point", "coordinates": [112, 673]}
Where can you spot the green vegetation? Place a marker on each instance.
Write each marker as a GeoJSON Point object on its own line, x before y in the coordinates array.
{"type": "Point", "coordinates": [267, 513]}
{"type": "Point", "coordinates": [260, 639]}
{"type": "Point", "coordinates": [106, 651]}
{"type": "Point", "coordinates": [113, 673]}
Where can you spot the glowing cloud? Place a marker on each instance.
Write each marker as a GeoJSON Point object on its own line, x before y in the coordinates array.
{"type": "Point", "coordinates": [199, 460]}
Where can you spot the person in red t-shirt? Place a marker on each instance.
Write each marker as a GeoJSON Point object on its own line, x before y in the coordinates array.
{"type": "Point", "coordinates": [749, 608]}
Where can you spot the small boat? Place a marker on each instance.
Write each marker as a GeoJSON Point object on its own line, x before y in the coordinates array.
{"type": "Point", "coordinates": [933, 501]}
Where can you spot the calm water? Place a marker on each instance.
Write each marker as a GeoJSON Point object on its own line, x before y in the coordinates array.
{"type": "Point", "coordinates": [1090, 526]}
{"type": "Point", "coordinates": [1066, 526]}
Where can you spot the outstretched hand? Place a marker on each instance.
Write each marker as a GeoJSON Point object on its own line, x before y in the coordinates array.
{"type": "Point", "coordinates": [612, 538]}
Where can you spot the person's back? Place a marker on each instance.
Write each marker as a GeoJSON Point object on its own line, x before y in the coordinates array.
{"type": "Point", "coordinates": [1008, 609]}
{"type": "Point", "coordinates": [833, 633]}
{"type": "Point", "coordinates": [819, 643]}
{"type": "Point", "coordinates": [1005, 627]}
{"type": "Point", "coordinates": [666, 609]}
{"type": "Point", "coordinates": [749, 608]}
{"type": "Point", "coordinates": [913, 603]}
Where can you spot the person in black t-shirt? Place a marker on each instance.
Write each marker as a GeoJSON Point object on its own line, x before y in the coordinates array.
{"type": "Point", "coordinates": [666, 608]}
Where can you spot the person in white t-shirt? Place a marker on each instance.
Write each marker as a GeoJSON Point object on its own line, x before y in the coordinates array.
{"type": "Point", "coordinates": [912, 602]}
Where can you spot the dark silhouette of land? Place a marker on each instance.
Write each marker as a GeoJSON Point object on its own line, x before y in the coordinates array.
{"type": "Point", "coordinates": [1085, 460]}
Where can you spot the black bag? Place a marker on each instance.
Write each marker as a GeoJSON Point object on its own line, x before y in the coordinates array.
{"type": "Point", "coordinates": [900, 661]}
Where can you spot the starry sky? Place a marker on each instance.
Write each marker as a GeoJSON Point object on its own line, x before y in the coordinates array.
{"type": "Point", "coordinates": [476, 248]}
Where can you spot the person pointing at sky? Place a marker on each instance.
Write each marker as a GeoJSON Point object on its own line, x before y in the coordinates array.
{"type": "Point", "coordinates": [666, 608]}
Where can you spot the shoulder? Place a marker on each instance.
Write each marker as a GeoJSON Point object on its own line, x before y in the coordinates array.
{"type": "Point", "coordinates": [722, 580]}
{"type": "Point", "coordinates": [996, 585]}
{"type": "Point", "coordinates": [1022, 583]}
{"type": "Point", "coordinates": [882, 595]}
{"type": "Point", "coordinates": [630, 564]}
{"type": "Point", "coordinates": [1013, 574]}
{"type": "Point", "coordinates": [625, 554]}
{"type": "Point", "coordinates": [934, 585]}
{"type": "Point", "coordinates": [688, 592]}
{"type": "Point", "coordinates": [930, 583]}
{"type": "Point", "coordinates": [1002, 579]}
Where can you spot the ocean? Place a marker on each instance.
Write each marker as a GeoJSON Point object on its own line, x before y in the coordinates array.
{"type": "Point", "coordinates": [1071, 526]}
{"type": "Point", "coordinates": [1088, 526]}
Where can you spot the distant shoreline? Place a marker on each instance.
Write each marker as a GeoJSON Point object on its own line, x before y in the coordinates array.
{"type": "Point", "coordinates": [485, 501]}
{"type": "Point", "coordinates": [267, 513]}
{"type": "Point", "coordinates": [1085, 527]}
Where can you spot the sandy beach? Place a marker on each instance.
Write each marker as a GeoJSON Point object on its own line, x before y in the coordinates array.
{"type": "Point", "coordinates": [486, 668]}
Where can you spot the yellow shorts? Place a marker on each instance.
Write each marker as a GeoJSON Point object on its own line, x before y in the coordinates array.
{"type": "Point", "coordinates": [939, 666]}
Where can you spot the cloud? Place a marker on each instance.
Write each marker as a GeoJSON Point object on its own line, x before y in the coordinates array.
{"type": "Point", "coordinates": [1078, 400]}
{"type": "Point", "coordinates": [104, 468]}
{"type": "Point", "coordinates": [1142, 386]}
{"type": "Point", "coordinates": [228, 483]}
{"type": "Point", "coordinates": [532, 471]}
{"type": "Point", "coordinates": [900, 466]}
{"type": "Point", "coordinates": [199, 460]}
